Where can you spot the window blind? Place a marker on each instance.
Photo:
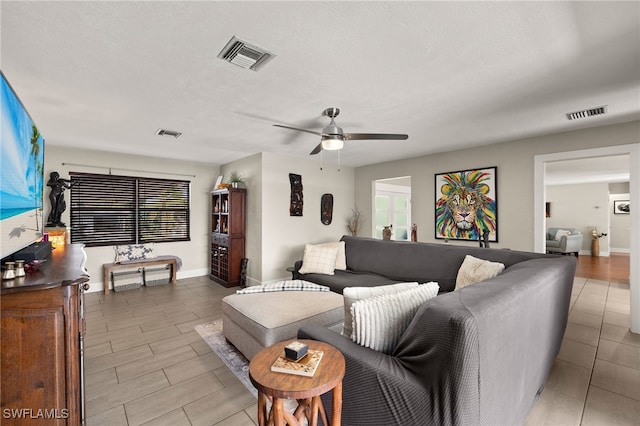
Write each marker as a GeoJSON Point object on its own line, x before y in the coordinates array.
{"type": "Point", "coordinates": [118, 210]}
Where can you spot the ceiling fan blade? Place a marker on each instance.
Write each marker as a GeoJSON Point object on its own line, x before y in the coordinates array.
{"type": "Point", "coordinates": [313, 132]}
{"type": "Point", "coordinates": [385, 136]}
{"type": "Point", "coordinates": [317, 149]}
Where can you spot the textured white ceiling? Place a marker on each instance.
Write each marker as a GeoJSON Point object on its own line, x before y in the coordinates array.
{"type": "Point", "coordinates": [107, 75]}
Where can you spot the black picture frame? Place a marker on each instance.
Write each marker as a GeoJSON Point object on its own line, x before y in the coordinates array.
{"type": "Point", "coordinates": [466, 204]}
{"type": "Point", "coordinates": [621, 207]}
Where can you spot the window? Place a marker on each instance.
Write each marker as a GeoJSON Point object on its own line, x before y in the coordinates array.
{"type": "Point", "coordinates": [115, 210]}
{"type": "Point", "coordinates": [393, 207]}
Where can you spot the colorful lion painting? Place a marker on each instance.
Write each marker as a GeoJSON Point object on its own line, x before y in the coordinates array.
{"type": "Point", "coordinates": [464, 209]}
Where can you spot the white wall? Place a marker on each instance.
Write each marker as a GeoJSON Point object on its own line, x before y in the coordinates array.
{"type": "Point", "coordinates": [581, 206]}
{"type": "Point", "coordinates": [620, 226]}
{"type": "Point", "coordinates": [284, 236]}
{"type": "Point", "coordinates": [275, 240]}
{"type": "Point", "coordinates": [194, 253]}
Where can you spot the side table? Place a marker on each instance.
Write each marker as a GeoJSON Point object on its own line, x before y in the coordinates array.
{"type": "Point", "coordinates": [306, 390]}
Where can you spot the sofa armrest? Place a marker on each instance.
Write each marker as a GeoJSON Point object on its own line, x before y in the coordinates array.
{"type": "Point", "coordinates": [571, 243]}
{"type": "Point", "coordinates": [376, 386]}
{"type": "Point", "coordinates": [296, 270]}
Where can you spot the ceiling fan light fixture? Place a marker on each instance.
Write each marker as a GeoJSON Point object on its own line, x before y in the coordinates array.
{"type": "Point", "coordinates": [332, 142]}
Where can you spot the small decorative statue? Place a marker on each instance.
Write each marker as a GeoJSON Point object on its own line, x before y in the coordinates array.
{"type": "Point", "coordinates": [386, 232]}
{"type": "Point", "coordinates": [484, 239]}
{"type": "Point", "coordinates": [56, 197]}
{"type": "Point", "coordinates": [414, 232]}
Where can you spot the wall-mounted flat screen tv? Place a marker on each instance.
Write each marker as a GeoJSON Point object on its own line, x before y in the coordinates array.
{"type": "Point", "coordinates": [21, 174]}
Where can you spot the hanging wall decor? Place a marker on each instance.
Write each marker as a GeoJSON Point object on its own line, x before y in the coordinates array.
{"type": "Point", "coordinates": [326, 209]}
{"type": "Point", "coordinates": [295, 207]}
{"type": "Point", "coordinates": [467, 205]}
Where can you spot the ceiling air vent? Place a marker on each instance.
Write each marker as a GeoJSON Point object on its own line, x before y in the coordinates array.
{"type": "Point", "coordinates": [244, 54]}
{"type": "Point", "coordinates": [165, 132]}
{"type": "Point", "coordinates": [587, 113]}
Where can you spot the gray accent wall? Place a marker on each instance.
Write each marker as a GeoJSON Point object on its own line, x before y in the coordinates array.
{"type": "Point", "coordinates": [515, 163]}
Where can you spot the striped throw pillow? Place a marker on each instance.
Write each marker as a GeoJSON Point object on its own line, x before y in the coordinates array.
{"type": "Point", "coordinates": [379, 322]}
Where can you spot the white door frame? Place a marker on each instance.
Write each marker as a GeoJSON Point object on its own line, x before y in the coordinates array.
{"type": "Point", "coordinates": [539, 218]}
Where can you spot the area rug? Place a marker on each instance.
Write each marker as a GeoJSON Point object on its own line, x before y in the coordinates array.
{"type": "Point", "coordinates": [211, 332]}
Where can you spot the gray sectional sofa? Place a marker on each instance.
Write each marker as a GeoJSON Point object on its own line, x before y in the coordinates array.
{"type": "Point", "coordinates": [477, 355]}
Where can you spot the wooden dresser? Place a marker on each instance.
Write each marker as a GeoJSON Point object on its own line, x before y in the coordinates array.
{"type": "Point", "coordinates": [41, 353]}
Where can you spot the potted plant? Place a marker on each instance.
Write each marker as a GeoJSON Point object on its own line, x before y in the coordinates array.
{"type": "Point", "coordinates": [353, 222]}
{"type": "Point", "coordinates": [236, 180]}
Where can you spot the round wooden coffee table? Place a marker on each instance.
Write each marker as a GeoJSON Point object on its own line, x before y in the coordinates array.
{"type": "Point", "coordinates": [306, 390]}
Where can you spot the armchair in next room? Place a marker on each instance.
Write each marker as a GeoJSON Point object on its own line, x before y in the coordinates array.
{"type": "Point", "coordinates": [563, 241]}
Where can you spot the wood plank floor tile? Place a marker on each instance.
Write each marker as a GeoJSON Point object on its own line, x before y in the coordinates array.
{"type": "Point", "coordinates": [109, 397]}
{"type": "Point", "coordinates": [192, 367]}
{"type": "Point", "coordinates": [173, 418]}
{"type": "Point", "coordinates": [153, 405]}
{"type": "Point", "coordinates": [92, 365]}
{"type": "Point", "coordinates": [114, 417]}
{"type": "Point", "coordinates": [155, 362]}
{"type": "Point", "coordinates": [228, 401]}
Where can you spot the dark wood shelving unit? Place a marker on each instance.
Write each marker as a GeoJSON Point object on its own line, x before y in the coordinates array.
{"type": "Point", "coordinates": [228, 215]}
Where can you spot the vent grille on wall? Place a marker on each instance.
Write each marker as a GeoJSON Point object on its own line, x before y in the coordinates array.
{"type": "Point", "coordinates": [245, 55]}
{"type": "Point", "coordinates": [165, 132]}
{"type": "Point", "coordinates": [587, 113]}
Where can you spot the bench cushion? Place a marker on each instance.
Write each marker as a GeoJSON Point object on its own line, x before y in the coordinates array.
{"type": "Point", "coordinates": [252, 322]}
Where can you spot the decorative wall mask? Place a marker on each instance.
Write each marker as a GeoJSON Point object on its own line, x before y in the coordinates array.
{"type": "Point", "coordinates": [295, 207]}
{"type": "Point", "coordinates": [326, 209]}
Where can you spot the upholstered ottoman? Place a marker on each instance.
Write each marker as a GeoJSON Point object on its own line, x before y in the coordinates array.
{"type": "Point", "coordinates": [254, 321]}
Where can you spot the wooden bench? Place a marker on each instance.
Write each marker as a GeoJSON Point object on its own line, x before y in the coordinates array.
{"type": "Point", "coordinates": [110, 267]}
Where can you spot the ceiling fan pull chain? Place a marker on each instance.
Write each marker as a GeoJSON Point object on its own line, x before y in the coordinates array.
{"type": "Point", "coordinates": [338, 160]}
{"type": "Point", "coordinates": [320, 160]}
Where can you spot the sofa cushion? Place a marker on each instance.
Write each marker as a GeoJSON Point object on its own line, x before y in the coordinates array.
{"type": "Point", "coordinates": [319, 260]}
{"type": "Point", "coordinates": [474, 270]}
{"type": "Point", "coordinates": [353, 294]}
{"type": "Point", "coordinates": [343, 279]}
{"type": "Point", "coordinates": [378, 322]}
{"type": "Point", "coordinates": [252, 322]}
{"type": "Point", "coordinates": [341, 258]}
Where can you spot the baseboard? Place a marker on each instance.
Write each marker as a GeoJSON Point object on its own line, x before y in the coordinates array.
{"type": "Point", "coordinates": [620, 250]}
{"type": "Point", "coordinates": [588, 253]}
{"type": "Point", "coordinates": [192, 273]}
{"type": "Point", "coordinates": [252, 282]}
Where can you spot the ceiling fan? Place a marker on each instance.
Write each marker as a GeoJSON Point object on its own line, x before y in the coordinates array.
{"type": "Point", "coordinates": [333, 137]}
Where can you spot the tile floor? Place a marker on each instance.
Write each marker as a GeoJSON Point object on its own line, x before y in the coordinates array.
{"type": "Point", "coordinates": [145, 364]}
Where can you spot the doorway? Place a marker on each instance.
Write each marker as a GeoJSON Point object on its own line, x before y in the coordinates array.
{"type": "Point", "coordinates": [633, 150]}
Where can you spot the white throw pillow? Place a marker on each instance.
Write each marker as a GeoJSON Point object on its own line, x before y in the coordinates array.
{"type": "Point", "coordinates": [379, 322]}
{"type": "Point", "coordinates": [474, 270]}
{"type": "Point", "coordinates": [319, 260]}
{"type": "Point", "coordinates": [353, 294]}
{"type": "Point", "coordinates": [341, 258]}
{"type": "Point", "coordinates": [561, 233]}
